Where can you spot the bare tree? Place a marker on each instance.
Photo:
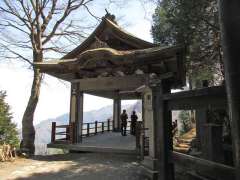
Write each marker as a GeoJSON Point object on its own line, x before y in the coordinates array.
{"type": "Point", "coordinates": [30, 31]}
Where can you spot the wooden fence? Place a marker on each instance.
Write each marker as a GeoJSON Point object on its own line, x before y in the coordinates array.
{"type": "Point", "coordinates": [66, 133]}
{"type": "Point", "coordinates": [89, 129]}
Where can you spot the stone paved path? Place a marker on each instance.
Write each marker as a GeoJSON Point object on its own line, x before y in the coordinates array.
{"type": "Point", "coordinates": [84, 166]}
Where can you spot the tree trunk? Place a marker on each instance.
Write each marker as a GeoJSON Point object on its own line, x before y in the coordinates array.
{"type": "Point", "coordinates": [230, 28]}
{"type": "Point", "coordinates": [28, 131]}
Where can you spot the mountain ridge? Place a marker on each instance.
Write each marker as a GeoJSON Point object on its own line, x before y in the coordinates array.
{"type": "Point", "coordinates": [43, 129]}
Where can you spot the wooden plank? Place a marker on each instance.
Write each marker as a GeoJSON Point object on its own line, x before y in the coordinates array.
{"type": "Point", "coordinates": [204, 167]}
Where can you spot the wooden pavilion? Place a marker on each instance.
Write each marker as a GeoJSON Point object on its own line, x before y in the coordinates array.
{"type": "Point", "coordinates": [114, 64]}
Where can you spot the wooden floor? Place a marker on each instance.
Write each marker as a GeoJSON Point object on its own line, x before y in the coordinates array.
{"type": "Point", "coordinates": [108, 142]}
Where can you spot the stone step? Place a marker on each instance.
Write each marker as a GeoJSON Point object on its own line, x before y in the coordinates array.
{"type": "Point", "coordinates": [97, 149]}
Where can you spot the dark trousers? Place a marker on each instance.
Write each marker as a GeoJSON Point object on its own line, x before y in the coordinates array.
{"type": "Point", "coordinates": [123, 129]}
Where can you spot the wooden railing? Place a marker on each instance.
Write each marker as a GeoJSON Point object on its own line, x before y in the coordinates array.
{"type": "Point", "coordinates": [96, 127]}
{"type": "Point", "coordinates": [206, 168]}
{"type": "Point", "coordinates": [66, 133]}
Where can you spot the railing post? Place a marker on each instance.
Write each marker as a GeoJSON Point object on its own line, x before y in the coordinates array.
{"type": "Point", "coordinates": [108, 125]}
{"type": "Point", "coordinates": [67, 132]}
{"type": "Point", "coordinates": [102, 127]}
{"type": "Point", "coordinates": [96, 124]}
{"type": "Point", "coordinates": [53, 132]}
{"type": "Point", "coordinates": [88, 126]}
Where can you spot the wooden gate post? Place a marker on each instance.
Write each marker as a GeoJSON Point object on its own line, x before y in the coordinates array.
{"type": "Point", "coordinates": [53, 132]}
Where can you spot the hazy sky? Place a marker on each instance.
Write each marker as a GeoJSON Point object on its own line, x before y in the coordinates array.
{"type": "Point", "coordinates": [55, 95]}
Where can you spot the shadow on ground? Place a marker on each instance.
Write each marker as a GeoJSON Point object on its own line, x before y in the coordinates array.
{"type": "Point", "coordinates": [85, 166]}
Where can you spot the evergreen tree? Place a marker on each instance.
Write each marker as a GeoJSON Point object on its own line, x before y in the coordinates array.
{"type": "Point", "coordinates": [195, 24]}
{"type": "Point", "coordinates": [185, 121]}
{"type": "Point", "coordinates": [8, 130]}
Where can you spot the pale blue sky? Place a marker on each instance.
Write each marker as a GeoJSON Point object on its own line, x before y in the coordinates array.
{"type": "Point", "coordinates": [135, 17]}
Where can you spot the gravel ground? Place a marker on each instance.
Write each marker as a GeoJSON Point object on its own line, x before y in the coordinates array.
{"type": "Point", "coordinates": [82, 166]}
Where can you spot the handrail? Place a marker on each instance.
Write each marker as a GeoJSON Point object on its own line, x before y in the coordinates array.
{"type": "Point", "coordinates": [96, 127]}
{"type": "Point", "coordinates": [69, 133]}
{"type": "Point", "coordinates": [87, 130]}
{"type": "Point", "coordinates": [205, 167]}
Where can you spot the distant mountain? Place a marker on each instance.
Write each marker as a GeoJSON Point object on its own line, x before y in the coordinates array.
{"type": "Point", "coordinates": [43, 129]}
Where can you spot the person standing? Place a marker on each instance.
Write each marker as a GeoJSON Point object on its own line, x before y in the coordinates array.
{"type": "Point", "coordinates": [124, 118]}
{"type": "Point", "coordinates": [134, 118]}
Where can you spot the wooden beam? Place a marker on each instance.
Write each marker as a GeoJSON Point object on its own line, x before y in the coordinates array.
{"type": "Point", "coordinates": [130, 95]}
{"type": "Point", "coordinates": [214, 97]}
{"type": "Point", "coordinates": [112, 83]}
{"type": "Point", "coordinates": [104, 94]}
{"type": "Point", "coordinates": [204, 167]}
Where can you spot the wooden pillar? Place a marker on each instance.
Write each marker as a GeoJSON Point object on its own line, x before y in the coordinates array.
{"type": "Point", "coordinates": [76, 110]}
{"type": "Point", "coordinates": [162, 119]}
{"type": "Point", "coordinates": [230, 28]}
{"type": "Point", "coordinates": [73, 110]}
{"type": "Point", "coordinates": [79, 120]}
{"type": "Point", "coordinates": [158, 121]}
{"type": "Point", "coordinates": [116, 114]}
{"type": "Point", "coordinates": [73, 103]}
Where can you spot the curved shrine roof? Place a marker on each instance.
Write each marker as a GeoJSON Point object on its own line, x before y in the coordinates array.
{"type": "Point", "coordinates": [111, 51]}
